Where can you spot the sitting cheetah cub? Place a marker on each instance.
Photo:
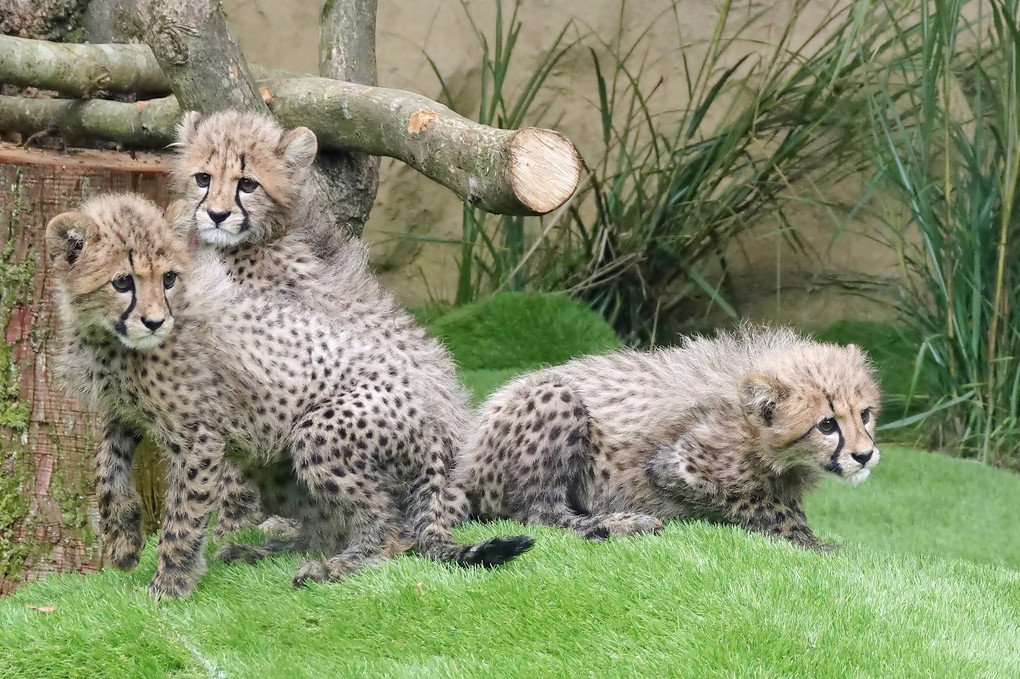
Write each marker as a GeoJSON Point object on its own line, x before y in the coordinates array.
{"type": "Point", "coordinates": [732, 429]}
{"type": "Point", "coordinates": [253, 197]}
{"type": "Point", "coordinates": [389, 397]}
{"type": "Point", "coordinates": [122, 312]}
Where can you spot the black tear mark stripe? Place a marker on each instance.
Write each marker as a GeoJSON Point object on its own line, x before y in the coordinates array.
{"type": "Point", "coordinates": [120, 327]}
{"type": "Point", "coordinates": [833, 465]}
{"type": "Point", "coordinates": [246, 224]}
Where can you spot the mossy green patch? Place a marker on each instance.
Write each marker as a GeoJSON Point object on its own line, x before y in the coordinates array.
{"type": "Point", "coordinates": [16, 285]}
{"type": "Point", "coordinates": [13, 510]}
{"type": "Point", "coordinates": [17, 276]}
{"type": "Point", "coordinates": [523, 331]}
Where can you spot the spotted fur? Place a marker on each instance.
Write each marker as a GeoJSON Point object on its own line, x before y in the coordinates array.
{"type": "Point", "coordinates": [733, 429]}
{"type": "Point", "coordinates": [369, 405]}
{"type": "Point", "coordinates": [122, 310]}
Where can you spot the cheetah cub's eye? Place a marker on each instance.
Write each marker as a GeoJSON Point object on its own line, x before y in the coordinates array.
{"type": "Point", "coordinates": [828, 426]}
{"type": "Point", "coordinates": [123, 283]}
{"type": "Point", "coordinates": [169, 278]}
{"type": "Point", "coordinates": [247, 184]}
{"type": "Point", "coordinates": [866, 415]}
{"type": "Point", "coordinates": [202, 179]}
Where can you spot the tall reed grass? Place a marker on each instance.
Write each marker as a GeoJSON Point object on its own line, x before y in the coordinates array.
{"type": "Point", "coordinates": [646, 233]}
{"type": "Point", "coordinates": [947, 142]}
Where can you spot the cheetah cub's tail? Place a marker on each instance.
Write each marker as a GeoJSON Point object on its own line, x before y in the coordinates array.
{"type": "Point", "coordinates": [488, 553]}
{"type": "Point", "coordinates": [435, 505]}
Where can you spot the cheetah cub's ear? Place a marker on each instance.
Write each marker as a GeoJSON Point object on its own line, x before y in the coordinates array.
{"type": "Point", "coordinates": [66, 235]}
{"type": "Point", "coordinates": [188, 127]}
{"type": "Point", "coordinates": [298, 147]}
{"type": "Point", "coordinates": [760, 394]}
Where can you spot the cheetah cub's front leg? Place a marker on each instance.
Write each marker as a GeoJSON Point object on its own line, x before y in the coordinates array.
{"type": "Point", "coordinates": [694, 478]}
{"type": "Point", "coordinates": [120, 509]}
{"type": "Point", "coordinates": [193, 481]}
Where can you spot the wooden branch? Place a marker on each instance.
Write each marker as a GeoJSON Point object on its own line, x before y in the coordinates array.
{"type": "Point", "coordinates": [205, 67]}
{"type": "Point", "coordinates": [527, 171]}
{"type": "Point", "coordinates": [82, 69]}
{"type": "Point", "coordinates": [79, 70]}
{"type": "Point", "coordinates": [347, 52]}
{"type": "Point", "coordinates": [141, 125]}
{"type": "Point", "coordinates": [516, 172]}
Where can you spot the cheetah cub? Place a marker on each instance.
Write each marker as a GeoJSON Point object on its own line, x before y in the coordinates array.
{"type": "Point", "coordinates": [135, 350]}
{"type": "Point", "coordinates": [379, 407]}
{"type": "Point", "coordinates": [253, 197]}
{"type": "Point", "coordinates": [733, 429]}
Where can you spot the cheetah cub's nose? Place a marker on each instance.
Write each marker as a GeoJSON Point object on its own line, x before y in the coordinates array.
{"type": "Point", "coordinates": [217, 217]}
{"type": "Point", "coordinates": [151, 324]}
{"type": "Point", "coordinates": [862, 458]}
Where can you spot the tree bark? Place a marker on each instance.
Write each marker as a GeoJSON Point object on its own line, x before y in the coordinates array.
{"type": "Point", "coordinates": [204, 65]}
{"type": "Point", "coordinates": [80, 70]}
{"type": "Point", "coordinates": [45, 19]}
{"type": "Point", "coordinates": [347, 52]}
{"type": "Point", "coordinates": [48, 515]}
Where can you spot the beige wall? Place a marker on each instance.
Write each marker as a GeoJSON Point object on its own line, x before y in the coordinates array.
{"type": "Point", "coordinates": [284, 34]}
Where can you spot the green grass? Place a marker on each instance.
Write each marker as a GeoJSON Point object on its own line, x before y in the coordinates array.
{"type": "Point", "coordinates": [696, 596]}
{"type": "Point", "coordinates": [926, 585]}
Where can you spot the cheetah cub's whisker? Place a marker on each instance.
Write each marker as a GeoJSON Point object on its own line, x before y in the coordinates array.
{"type": "Point", "coordinates": [134, 349]}
{"type": "Point", "coordinates": [369, 407]}
{"type": "Point", "coordinates": [732, 429]}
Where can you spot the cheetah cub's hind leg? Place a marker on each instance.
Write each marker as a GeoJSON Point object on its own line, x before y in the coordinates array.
{"type": "Point", "coordinates": [240, 503]}
{"type": "Point", "coordinates": [341, 471]}
{"type": "Point", "coordinates": [543, 433]}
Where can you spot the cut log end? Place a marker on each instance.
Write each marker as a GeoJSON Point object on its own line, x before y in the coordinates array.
{"type": "Point", "coordinates": [544, 168]}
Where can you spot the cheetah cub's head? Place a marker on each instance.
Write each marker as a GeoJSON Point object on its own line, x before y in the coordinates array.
{"type": "Point", "coordinates": [241, 174]}
{"type": "Point", "coordinates": [117, 264]}
{"type": "Point", "coordinates": [816, 407]}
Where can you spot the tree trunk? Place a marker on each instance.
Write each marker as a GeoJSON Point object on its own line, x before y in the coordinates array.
{"type": "Point", "coordinates": [347, 52]}
{"type": "Point", "coordinates": [48, 514]}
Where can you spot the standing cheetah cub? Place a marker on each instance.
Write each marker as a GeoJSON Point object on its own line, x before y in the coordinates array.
{"type": "Point", "coordinates": [732, 429]}
{"type": "Point", "coordinates": [135, 349]}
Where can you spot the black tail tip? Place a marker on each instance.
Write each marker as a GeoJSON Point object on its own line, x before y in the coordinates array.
{"type": "Point", "coordinates": [498, 551]}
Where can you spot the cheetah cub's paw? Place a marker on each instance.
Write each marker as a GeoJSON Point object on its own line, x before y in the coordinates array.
{"type": "Point", "coordinates": [123, 549]}
{"type": "Point", "coordinates": [630, 524]}
{"type": "Point", "coordinates": [165, 587]}
{"type": "Point", "coordinates": [825, 547]}
{"type": "Point", "coordinates": [233, 552]}
{"type": "Point", "coordinates": [333, 570]}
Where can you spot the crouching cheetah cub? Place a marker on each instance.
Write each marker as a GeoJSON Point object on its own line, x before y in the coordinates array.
{"type": "Point", "coordinates": [732, 429]}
